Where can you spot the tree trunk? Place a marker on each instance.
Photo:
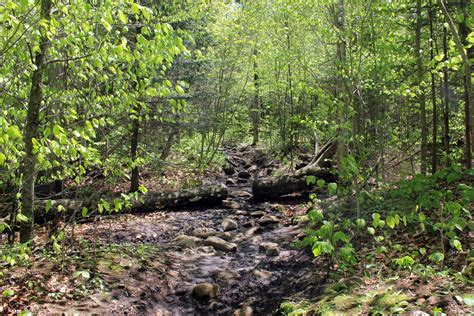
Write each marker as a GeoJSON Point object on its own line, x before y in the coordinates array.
{"type": "Point", "coordinates": [134, 180]}
{"type": "Point", "coordinates": [445, 95]}
{"type": "Point", "coordinates": [434, 156]}
{"type": "Point", "coordinates": [29, 164]}
{"type": "Point", "coordinates": [422, 99]}
{"type": "Point", "coordinates": [256, 102]}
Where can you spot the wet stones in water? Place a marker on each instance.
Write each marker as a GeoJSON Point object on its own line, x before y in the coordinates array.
{"type": "Point", "coordinates": [242, 180]}
{"type": "Point", "coordinates": [205, 291]}
{"type": "Point", "coordinates": [185, 241]}
{"type": "Point", "coordinates": [252, 168]}
{"type": "Point", "coordinates": [268, 220]}
{"type": "Point", "coordinates": [229, 224]}
{"type": "Point", "coordinates": [244, 311]}
{"type": "Point", "coordinates": [231, 204]}
{"type": "Point", "coordinates": [220, 244]}
{"type": "Point", "coordinates": [242, 194]}
{"type": "Point", "coordinates": [270, 248]}
{"type": "Point", "coordinates": [248, 224]}
{"type": "Point", "coordinates": [204, 232]}
{"type": "Point", "coordinates": [244, 174]}
{"type": "Point", "coordinates": [241, 213]}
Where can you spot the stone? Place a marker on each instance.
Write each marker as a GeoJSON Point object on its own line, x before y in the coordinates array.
{"type": "Point", "coordinates": [230, 204]}
{"type": "Point", "coordinates": [252, 231]}
{"type": "Point", "coordinates": [229, 224]}
{"type": "Point", "coordinates": [185, 241]}
{"type": "Point", "coordinates": [252, 168]}
{"type": "Point", "coordinates": [268, 220]}
{"type": "Point", "coordinates": [230, 181]}
{"type": "Point", "coordinates": [433, 300]}
{"type": "Point", "coordinates": [204, 232]}
{"type": "Point", "coordinates": [418, 313]}
{"type": "Point", "coordinates": [258, 214]}
{"type": "Point", "coordinates": [244, 174]}
{"type": "Point", "coordinates": [228, 275]}
{"type": "Point", "coordinates": [244, 311]}
{"type": "Point", "coordinates": [248, 224]}
{"type": "Point", "coordinates": [241, 213]}
{"type": "Point", "coordinates": [228, 169]}
{"type": "Point", "coordinates": [270, 248]}
{"type": "Point", "coordinates": [263, 274]}
{"type": "Point", "coordinates": [220, 244]}
{"type": "Point", "coordinates": [242, 194]}
{"type": "Point", "coordinates": [205, 291]}
{"type": "Point", "coordinates": [420, 301]}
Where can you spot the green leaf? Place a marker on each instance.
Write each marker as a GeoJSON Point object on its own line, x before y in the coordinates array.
{"type": "Point", "coordinates": [332, 188]}
{"type": "Point", "coordinates": [310, 180]}
{"type": "Point", "coordinates": [85, 274]}
{"type": "Point", "coordinates": [456, 244]}
{"type": "Point", "coordinates": [8, 293]}
{"type": "Point", "coordinates": [360, 222]}
{"type": "Point", "coordinates": [320, 183]}
{"type": "Point", "coordinates": [376, 220]}
{"type": "Point", "coordinates": [14, 132]}
{"type": "Point", "coordinates": [84, 212]}
{"type": "Point", "coordinates": [122, 17]}
{"type": "Point", "coordinates": [2, 159]}
{"type": "Point", "coordinates": [371, 230]}
{"type": "Point", "coordinates": [22, 218]}
{"type": "Point", "coordinates": [437, 257]}
{"type": "Point", "coordinates": [48, 206]}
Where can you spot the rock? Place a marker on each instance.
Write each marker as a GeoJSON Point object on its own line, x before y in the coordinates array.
{"type": "Point", "coordinates": [241, 213]}
{"type": "Point", "coordinates": [228, 169]}
{"type": "Point", "coordinates": [418, 313]}
{"type": "Point", "coordinates": [229, 224]}
{"type": "Point", "coordinates": [242, 194]}
{"type": "Point", "coordinates": [258, 214]}
{"type": "Point", "coordinates": [262, 274]}
{"type": "Point", "coordinates": [230, 181]}
{"type": "Point", "coordinates": [244, 311]}
{"type": "Point", "coordinates": [252, 231]}
{"type": "Point", "coordinates": [268, 220]}
{"type": "Point", "coordinates": [204, 232]}
{"type": "Point", "coordinates": [242, 180]}
{"type": "Point", "coordinates": [220, 244]}
{"type": "Point", "coordinates": [433, 300]}
{"type": "Point", "coordinates": [270, 248]}
{"type": "Point", "coordinates": [230, 204]}
{"type": "Point", "coordinates": [244, 174]}
{"type": "Point", "coordinates": [228, 275]}
{"type": "Point", "coordinates": [248, 224]}
{"type": "Point", "coordinates": [185, 241]}
{"type": "Point", "coordinates": [420, 301]}
{"type": "Point", "coordinates": [205, 291]}
{"type": "Point", "coordinates": [252, 168]}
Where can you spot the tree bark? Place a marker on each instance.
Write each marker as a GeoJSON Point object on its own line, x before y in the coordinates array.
{"type": "Point", "coordinates": [445, 95]}
{"type": "Point", "coordinates": [434, 157]}
{"type": "Point", "coordinates": [29, 163]}
{"type": "Point", "coordinates": [134, 180]}
{"type": "Point", "coordinates": [422, 99]}
{"type": "Point", "coordinates": [256, 102]}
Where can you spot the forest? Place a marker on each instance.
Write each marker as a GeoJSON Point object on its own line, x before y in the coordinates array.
{"type": "Point", "coordinates": [236, 157]}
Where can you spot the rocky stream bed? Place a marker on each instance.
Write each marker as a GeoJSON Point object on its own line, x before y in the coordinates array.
{"type": "Point", "coordinates": [235, 259]}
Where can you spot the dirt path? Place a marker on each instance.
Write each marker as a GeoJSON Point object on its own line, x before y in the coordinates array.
{"type": "Point", "coordinates": [234, 259]}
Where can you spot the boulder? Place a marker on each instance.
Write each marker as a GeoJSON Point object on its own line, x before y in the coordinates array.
{"type": "Point", "coordinates": [228, 169]}
{"type": "Point", "coordinates": [258, 214]}
{"type": "Point", "coordinates": [229, 224]}
{"type": "Point", "coordinates": [252, 231]}
{"type": "Point", "coordinates": [220, 244]}
{"type": "Point", "coordinates": [241, 213]}
{"type": "Point", "coordinates": [270, 248]}
{"type": "Point", "coordinates": [205, 291]}
{"type": "Point", "coordinates": [228, 275]}
{"type": "Point", "coordinates": [185, 241]}
{"type": "Point", "coordinates": [230, 181]}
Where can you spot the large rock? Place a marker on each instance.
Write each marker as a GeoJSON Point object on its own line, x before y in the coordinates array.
{"type": "Point", "coordinates": [263, 274]}
{"type": "Point", "coordinates": [185, 241]}
{"type": "Point", "coordinates": [258, 214]}
{"type": "Point", "coordinates": [268, 220]}
{"type": "Point", "coordinates": [205, 291]}
{"type": "Point", "coordinates": [270, 248]}
{"type": "Point", "coordinates": [228, 169]}
{"type": "Point", "coordinates": [220, 244]}
{"type": "Point", "coordinates": [228, 275]}
{"type": "Point", "coordinates": [204, 232]}
{"type": "Point", "coordinates": [229, 224]}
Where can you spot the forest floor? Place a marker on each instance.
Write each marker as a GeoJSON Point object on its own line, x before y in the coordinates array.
{"type": "Point", "coordinates": [164, 263]}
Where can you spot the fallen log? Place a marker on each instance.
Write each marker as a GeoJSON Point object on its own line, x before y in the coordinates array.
{"type": "Point", "coordinates": [152, 201]}
{"type": "Point", "coordinates": [274, 187]}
